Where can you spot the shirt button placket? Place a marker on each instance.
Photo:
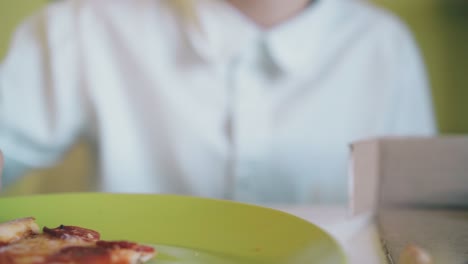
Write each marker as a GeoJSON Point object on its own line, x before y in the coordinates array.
{"type": "Point", "coordinates": [251, 129]}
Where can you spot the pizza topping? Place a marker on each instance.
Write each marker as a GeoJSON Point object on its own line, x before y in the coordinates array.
{"type": "Point", "coordinates": [125, 245]}
{"type": "Point", "coordinates": [72, 232]}
{"type": "Point", "coordinates": [77, 254]}
{"type": "Point", "coordinates": [127, 252]}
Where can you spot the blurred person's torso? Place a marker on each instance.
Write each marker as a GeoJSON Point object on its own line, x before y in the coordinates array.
{"type": "Point", "coordinates": [218, 108]}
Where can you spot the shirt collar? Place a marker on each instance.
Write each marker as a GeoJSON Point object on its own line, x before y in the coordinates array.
{"type": "Point", "coordinates": [299, 42]}
{"type": "Point", "coordinates": [223, 32]}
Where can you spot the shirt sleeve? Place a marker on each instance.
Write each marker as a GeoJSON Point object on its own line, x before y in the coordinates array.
{"type": "Point", "coordinates": [40, 103]}
{"type": "Point", "coordinates": [413, 111]}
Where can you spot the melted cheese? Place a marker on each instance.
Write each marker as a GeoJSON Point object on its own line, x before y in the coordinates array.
{"type": "Point", "coordinates": [17, 229]}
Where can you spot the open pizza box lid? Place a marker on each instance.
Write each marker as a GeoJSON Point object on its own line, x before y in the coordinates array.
{"type": "Point", "coordinates": [430, 171]}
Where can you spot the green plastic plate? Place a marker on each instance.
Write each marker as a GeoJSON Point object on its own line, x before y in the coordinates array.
{"type": "Point", "coordinates": [185, 229]}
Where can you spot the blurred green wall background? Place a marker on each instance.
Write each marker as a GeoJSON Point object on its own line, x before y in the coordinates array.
{"type": "Point", "coordinates": [11, 13]}
{"type": "Point", "coordinates": [440, 27]}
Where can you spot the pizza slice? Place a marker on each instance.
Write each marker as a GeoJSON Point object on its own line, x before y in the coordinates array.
{"type": "Point", "coordinates": [22, 243]}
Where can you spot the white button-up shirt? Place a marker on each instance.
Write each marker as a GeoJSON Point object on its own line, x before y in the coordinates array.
{"type": "Point", "coordinates": [215, 107]}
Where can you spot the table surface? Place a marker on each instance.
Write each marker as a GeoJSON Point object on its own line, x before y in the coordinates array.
{"type": "Point", "coordinates": [357, 235]}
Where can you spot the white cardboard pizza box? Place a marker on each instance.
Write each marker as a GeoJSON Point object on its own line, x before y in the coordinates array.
{"type": "Point", "coordinates": [421, 171]}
